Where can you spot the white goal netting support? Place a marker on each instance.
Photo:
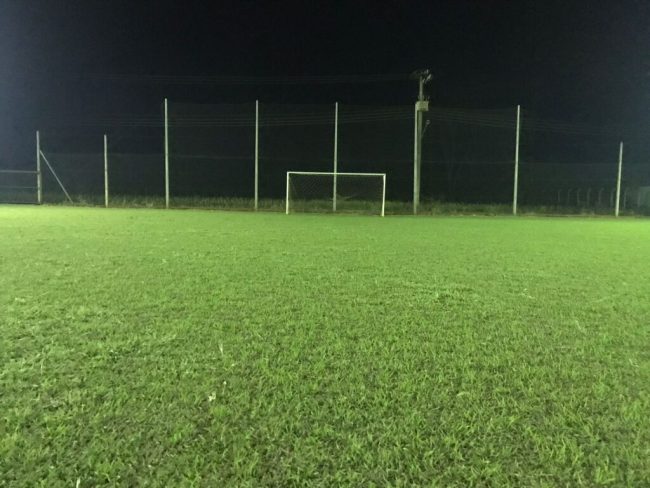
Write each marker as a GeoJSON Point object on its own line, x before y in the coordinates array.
{"type": "Point", "coordinates": [328, 192]}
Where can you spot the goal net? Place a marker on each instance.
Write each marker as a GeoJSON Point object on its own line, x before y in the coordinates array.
{"type": "Point", "coordinates": [323, 192]}
{"type": "Point", "coordinates": [18, 186]}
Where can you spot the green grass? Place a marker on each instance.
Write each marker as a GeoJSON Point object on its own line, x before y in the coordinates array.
{"type": "Point", "coordinates": [393, 207]}
{"type": "Point", "coordinates": [195, 348]}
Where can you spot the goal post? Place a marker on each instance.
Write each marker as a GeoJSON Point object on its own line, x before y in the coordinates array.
{"type": "Point", "coordinates": [311, 191]}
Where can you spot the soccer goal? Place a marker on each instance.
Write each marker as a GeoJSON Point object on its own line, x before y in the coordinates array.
{"type": "Point", "coordinates": [336, 192]}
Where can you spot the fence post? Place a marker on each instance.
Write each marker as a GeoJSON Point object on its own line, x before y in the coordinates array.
{"type": "Point", "coordinates": [105, 171]}
{"type": "Point", "coordinates": [336, 153]}
{"type": "Point", "coordinates": [39, 174]}
{"type": "Point", "coordinates": [166, 156]}
{"type": "Point", "coordinates": [516, 185]}
{"type": "Point", "coordinates": [257, 151]}
{"type": "Point", "coordinates": [618, 179]}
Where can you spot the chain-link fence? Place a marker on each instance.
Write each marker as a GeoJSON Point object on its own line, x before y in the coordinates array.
{"type": "Point", "coordinates": [468, 156]}
{"type": "Point", "coordinates": [567, 167]}
{"type": "Point", "coordinates": [72, 162]}
{"type": "Point", "coordinates": [238, 155]}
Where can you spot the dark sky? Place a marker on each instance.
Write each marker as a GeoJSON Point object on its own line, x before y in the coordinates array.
{"type": "Point", "coordinates": [573, 60]}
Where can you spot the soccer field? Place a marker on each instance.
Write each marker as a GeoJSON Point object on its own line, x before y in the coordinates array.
{"type": "Point", "coordinates": [197, 348]}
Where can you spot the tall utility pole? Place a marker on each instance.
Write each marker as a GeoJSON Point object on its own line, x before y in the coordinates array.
{"type": "Point", "coordinates": [422, 105]}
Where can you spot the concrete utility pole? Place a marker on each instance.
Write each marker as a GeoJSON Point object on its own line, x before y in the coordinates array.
{"type": "Point", "coordinates": [422, 105]}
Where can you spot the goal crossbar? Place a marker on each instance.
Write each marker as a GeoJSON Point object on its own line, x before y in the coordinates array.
{"type": "Point", "coordinates": [331, 173]}
{"type": "Point", "coordinates": [335, 175]}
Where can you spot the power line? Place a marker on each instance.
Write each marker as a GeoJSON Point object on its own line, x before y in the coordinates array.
{"type": "Point", "coordinates": [241, 80]}
{"type": "Point", "coordinates": [321, 114]}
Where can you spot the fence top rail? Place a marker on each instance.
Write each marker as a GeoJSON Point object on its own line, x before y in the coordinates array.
{"type": "Point", "coordinates": [19, 171]}
{"type": "Point", "coordinates": [331, 173]}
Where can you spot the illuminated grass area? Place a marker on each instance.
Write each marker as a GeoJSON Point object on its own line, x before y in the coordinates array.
{"type": "Point", "coordinates": [393, 207]}
{"type": "Point", "coordinates": [200, 348]}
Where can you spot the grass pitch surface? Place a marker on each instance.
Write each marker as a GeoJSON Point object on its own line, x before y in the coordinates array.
{"type": "Point", "coordinates": [185, 348]}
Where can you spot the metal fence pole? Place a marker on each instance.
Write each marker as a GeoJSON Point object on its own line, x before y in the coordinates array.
{"type": "Point", "coordinates": [257, 152]}
{"type": "Point", "coordinates": [336, 153]}
{"type": "Point", "coordinates": [39, 174]}
{"type": "Point", "coordinates": [516, 184]}
{"type": "Point", "coordinates": [618, 179]}
{"type": "Point", "coordinates": [166, 156]}
{"type": "Point", "coordinates": [105, 171]}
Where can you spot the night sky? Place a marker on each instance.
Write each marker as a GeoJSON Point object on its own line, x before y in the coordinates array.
{"type": "Point", "coordinates": [573, 60]}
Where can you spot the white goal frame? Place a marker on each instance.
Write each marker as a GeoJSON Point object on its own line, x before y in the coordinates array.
{"type": "Point", "coordinates": [335, 175]}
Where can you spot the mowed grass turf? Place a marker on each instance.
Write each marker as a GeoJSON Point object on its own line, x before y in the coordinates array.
{"type": "Point", "coordinates": [193, 348]}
